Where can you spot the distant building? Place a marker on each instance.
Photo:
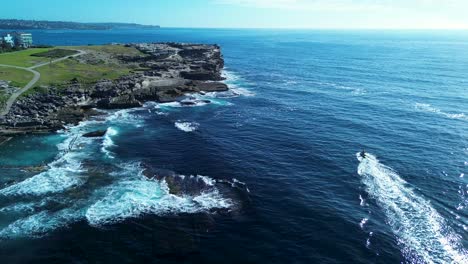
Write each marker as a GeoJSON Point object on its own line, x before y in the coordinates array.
{"type": "Point", "coordinates": [23, 39]}
{"type": "Point", "coordinates": [17, 39]}
{"type": "Point", "coordinates": [8, 39]}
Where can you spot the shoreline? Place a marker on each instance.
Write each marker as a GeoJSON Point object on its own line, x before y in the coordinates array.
{"type": "Point", "coordinates": [171, 70]}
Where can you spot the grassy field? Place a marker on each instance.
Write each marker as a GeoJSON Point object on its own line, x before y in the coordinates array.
{"type": "Point", "coordinates": [62, 72]}
{"type": "Point", "coordinates": [110, 49]}
{"type": "Point", "coordinates": [23, 58]}
{"type": "Point", "coordinates": [18, 78]}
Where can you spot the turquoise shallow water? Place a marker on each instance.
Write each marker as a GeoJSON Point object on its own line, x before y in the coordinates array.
{"type": "Point", "coordinates": [270, 168]}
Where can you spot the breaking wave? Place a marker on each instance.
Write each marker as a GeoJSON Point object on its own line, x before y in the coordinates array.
{"type": "Point", "coordinates": [124, 117]}
{"type": "Point", "coordinates": [63, 173]}
{"type": "Point", "coordinates": [133, 198]}
{"type": "Point", "coordinates": [186, 126]}
{"type": "Point", "coordinates": [135, 195]}
{"type": "Point", "coordinates": [119, 192]}
{"type": "Point", "coordinates": [131, 195]}
{"type": "Point", "coordinates": [235, 84]}
{"type": "Point", "coordinates": [108, 143]}
{"type": "Point", "coordinates": [420, 229]}
{"type": "Point", "coordinates": [40, 224]}
{"type": "Point", "coordinates": [429, 108]}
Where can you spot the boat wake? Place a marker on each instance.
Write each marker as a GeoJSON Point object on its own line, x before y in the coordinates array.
{"type": "Point", "coordinates": [420, 229]}
{"type": "Point", "coordinates": [431, 109]}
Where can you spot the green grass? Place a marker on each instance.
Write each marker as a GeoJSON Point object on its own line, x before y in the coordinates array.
{"type": "Point", "coordinates": [18, 78]}
{"type": "Point", "coordinates": [111, 49]}
{"type": "Point", "coordinates": [23, 58]}
{"type": "Point", "coordinates": [62, 72]}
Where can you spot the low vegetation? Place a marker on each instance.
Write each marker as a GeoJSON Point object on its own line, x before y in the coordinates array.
{"type": "Point", "coordinates": [4, 47]}
{"type": "Point", "coordinates": [55, 53]}
{"type": "Point", "coordinates": [3, 98]}
{"type": "Point", "coordinates": [114, 50]}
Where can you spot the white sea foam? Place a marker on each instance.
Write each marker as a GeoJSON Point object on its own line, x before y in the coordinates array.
{"type": "Point", "coordinates": [431, 109]}
{"type": "Point", "coordinates": [40, 224]}
{"type": "Point", "coordinates": [123, 200]}
{"type": "Point", "coordinates": [135, 195]}
{"type": "Point", "coordinates": [368, 240]}
{"type": "Point", "coordinates": [420, 229]}
{"type": "Point", "coordinates": [30, 207]}
{"type": "Point", "coordinates": [131, 195]}
{"type": "Point", "coordinates": [356, 91]}
{"type": "Point", "coordinates": [19, 208]}
{"type": "Point", "coordinates": [235, 83]}
{"type": "Point", "coordinates": [229, 76]}
{"type": "Point", "coordinates": [126, 117]}
{"type": "Point", "coordinates": [207, 180]}
{"type": "Point", "coordinates": [133, 198]}
{"type": "Point", "coordinates": [64, 173]}
{"type": "Point", "coordinates": [108, 143]}
{"type": "Point", "coordinates": [362, 201]}
{"type": "Point", "coordinates": [363, 222]}
{"type": "Point", "coordinates": [186, 126]}
{"type": "Point", "coordinates": [233, 91]}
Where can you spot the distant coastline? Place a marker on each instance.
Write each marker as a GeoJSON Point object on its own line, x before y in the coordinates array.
{"type": "Point", "coordinates": [18, 24]}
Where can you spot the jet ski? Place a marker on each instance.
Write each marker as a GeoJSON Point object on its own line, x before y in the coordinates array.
{"type": "Point", "coordinates": [362, 154]}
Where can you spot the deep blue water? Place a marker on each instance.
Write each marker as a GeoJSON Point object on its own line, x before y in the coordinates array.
{"type": "Point", "coordinates": [304, 103]}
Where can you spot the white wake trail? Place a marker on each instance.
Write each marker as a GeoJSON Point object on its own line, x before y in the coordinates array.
{"type": "Point", "coordinates": [420, 229]}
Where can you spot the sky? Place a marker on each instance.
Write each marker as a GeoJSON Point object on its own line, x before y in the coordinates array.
{"type": "Point", "coordinates": [317, 14]}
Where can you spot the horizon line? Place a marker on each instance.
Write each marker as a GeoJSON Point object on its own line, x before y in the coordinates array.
{"type": "Point", "coordinates": [264, 28]}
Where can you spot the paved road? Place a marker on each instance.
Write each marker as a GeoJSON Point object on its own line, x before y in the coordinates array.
{"type": "Point", "coordinates": [34, 80]}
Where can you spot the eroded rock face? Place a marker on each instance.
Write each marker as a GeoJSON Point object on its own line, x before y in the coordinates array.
{"type": "Point", "coordinates": [172, 70]}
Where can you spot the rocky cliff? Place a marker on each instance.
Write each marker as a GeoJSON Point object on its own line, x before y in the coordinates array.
{"type": "Point", "coordinates": [169, 71]}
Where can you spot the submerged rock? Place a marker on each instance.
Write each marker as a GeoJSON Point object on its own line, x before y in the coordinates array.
{"type": "Point", "coordinates": [97, 133]}
{"type": "Point", "coordinates": [4, 140]}
{"type": "Point", "coordinates": [187, 103]}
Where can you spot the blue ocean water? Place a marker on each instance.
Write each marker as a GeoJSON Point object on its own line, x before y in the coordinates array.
{"type": "Point", "coordinates": [278, 155]}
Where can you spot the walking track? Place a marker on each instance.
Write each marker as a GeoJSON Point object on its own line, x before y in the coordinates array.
{"type": "Point", "coordinates": [31, 84]}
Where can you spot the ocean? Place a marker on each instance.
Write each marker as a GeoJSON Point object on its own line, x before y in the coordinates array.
{"type": "Point", "coordinates": [271, 168]}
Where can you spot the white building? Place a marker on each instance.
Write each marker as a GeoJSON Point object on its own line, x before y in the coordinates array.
{"type": "Point", "coordinates": [9, 40]}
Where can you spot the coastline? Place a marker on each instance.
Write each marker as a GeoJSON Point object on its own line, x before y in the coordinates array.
{"type": "Point", "coordinates": [171, 70]}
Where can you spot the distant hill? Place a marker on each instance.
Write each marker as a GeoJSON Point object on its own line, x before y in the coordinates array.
{"type": "Point", "coordinates": [34, 24]}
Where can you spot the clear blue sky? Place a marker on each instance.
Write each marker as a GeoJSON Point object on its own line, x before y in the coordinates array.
{"type": "Point", "coordinates": [250, 13]}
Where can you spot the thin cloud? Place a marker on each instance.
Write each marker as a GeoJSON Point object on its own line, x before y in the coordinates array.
{"type": "Point", "coordinates": [348, 5]}
{"type": "Point", "coordinates": [318, 5]}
